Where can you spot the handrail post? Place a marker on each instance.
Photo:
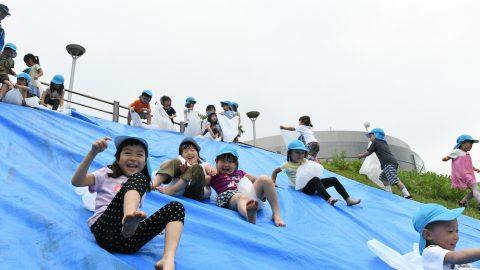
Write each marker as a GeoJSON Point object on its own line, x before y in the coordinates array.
{"type": "Point", "coordinates": [116, 111]}
{"type": "Point", "coordinates": [182, 127]}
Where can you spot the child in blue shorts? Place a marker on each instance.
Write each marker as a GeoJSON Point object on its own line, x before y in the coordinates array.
{"type": "Point", "coordinates": [388, 162]}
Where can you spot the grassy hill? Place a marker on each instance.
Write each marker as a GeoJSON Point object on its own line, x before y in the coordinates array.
{"type": "Point", "coordinates": [426, 187]}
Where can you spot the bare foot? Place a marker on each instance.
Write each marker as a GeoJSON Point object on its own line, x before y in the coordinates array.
{"type": "Point", "coordinates": [351, 201]}
{"type": "Point", "coordinates": [130, 223]}
{"type": "Point", "coordinates": [332, 201]}
{"type": "Point", "coordinates": [165, 264]}
{"type": "Point", "coordinates": [278, 221]}
{"type": "Point", "coordinates": [252, 207]}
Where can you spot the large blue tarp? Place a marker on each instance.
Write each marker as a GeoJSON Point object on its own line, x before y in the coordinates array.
{"type": "Point", "coordinates": [43, 222]}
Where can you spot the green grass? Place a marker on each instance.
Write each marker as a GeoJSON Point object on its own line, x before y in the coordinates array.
{"type": "Point", "coordinates": [426, 187]}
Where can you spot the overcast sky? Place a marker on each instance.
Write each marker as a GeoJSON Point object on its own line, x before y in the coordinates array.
{"type": "Point", "coordinates": [410, 67]}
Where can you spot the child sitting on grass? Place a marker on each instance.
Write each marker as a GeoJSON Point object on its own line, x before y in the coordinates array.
{"type": "Point", "coordinates": [463, 172]}
{"type": "Point", "coordinates": [296, 157]}
{"type": "Point", "coordinates": [438, 229]}
{"type": "Point", "coordinates": [226, 181]}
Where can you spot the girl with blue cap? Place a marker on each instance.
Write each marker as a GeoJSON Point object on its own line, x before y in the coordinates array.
{"type": "Point", "coordinates": [463, 172]}
{"type": "Point", "coordinates": [117, 223]}
{"type": "Point", "coordinates": [388, 162]}
{"type": "Point", "coordinates": [296, 157]}
{"type": "Point", "coordinates": [18, 93]}
{"type": "Point", "coordinates": [54, 94]}
{"type": "Point", "coordinates": [228, 181]}
{"type": "Point", "coordinates": [438, 229]}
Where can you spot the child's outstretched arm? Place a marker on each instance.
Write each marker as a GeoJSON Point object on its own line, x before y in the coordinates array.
{"type": "Point", "coordinates": [364, 154]}
{"type": "Point", "coordinates": [462, 256]}
{"type": "Point", "coordinates": [287, 128]}
{"type": "Point", "coordinates": [274, 174]}
{"type": "Point", "coordinates": [80, 178]}
{"type": "Point", "coordinates": [446, 158]}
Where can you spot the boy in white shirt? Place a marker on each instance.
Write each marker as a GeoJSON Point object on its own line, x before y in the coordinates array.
{"type": "Point", "coordinates": [438, 229]}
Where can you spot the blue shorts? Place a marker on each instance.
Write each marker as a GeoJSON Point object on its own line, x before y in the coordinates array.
{"type": "Point", "coordinates": [389, 175]}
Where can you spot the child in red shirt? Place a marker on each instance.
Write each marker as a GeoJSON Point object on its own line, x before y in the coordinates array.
{"type": "Point", "coordinates": [142, 107]}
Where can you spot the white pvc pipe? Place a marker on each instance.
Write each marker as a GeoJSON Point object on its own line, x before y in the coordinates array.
{"type": "Point", "coordinates": [72, 77]}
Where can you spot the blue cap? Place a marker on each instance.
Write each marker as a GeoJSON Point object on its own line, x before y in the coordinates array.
{"type": "Point", "coordinates": [378, 132]}
{"type": "Point", "coordinates": [24, 76]}
{"type": "Point", "coordinates": [463, 138]}
{"type": "Point", "coordinates": [429, 213]}
{"type": "Point", "coordinates": [190, 100]}
{"type": "Point", "coordinates": [147, 93]}
{"type": "Point", "coordinates": [227, 149]}
{"type": "Point", "coordinates": [234, 104]}
{"type": "Point", "coordinates": [229, 103]}
{"type": "Point", "coordinates": [11, 46]}
{"type": "Point", "coordinates": [58, 79]}
{"type": "Point", "coordinates": [189, 140]}
{"type": "Point", "coordinates": [297, 145]}
{"type": "Point", "coordinates": [120, 139]}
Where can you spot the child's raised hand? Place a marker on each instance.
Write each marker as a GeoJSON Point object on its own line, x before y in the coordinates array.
{"type": "Point", "coordinates": [477, 170]}
{"type": "Point", "coordinates": [184, 167]}
{"type": "Point", "coordinates": [100, 145]}
{"type": "Point", "coordinates": [210, 170]}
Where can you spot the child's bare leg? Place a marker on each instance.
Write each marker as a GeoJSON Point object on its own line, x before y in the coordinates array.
{"type": "Point", "coordinates": [264, 187]}
{"type": "Point", "coordinates": [131, 215]}
{"type": "Point", "coordinates": [475, 193]}
{"type": "Point", "coordinates": [173, 232]}
{"type": "Point", "coordinates": [159, 179]}
{"type": "Point", "coordinates": [246, 207]}
{"type": "Point", "coordinates": [3, 89]}
{"type": "Point", "coordinates": [467, 197]}
{"type": "Point", "coordinates": [149, 119]}
{"type": "Point", "coordinates": [403, 188]}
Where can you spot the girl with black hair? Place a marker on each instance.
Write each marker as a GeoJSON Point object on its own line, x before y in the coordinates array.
{"type": "Point", "coordinates": [35, 72]}
{"type": "Point", "coordinates": [117, 223]}
{"type": "Point", "coordinates": [305, 128]}
{"type": "Point", "coordinates": [187, 175]}
{"type": "Point", "coordinates": [166, 102]}
{"type": "Point", "coordinates": [212, 128]}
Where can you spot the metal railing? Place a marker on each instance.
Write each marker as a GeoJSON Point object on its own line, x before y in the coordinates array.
{"type": "Point", "coordinates": [115, 107]}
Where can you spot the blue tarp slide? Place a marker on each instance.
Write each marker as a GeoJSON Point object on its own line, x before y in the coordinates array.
{"type": "Point", "coordinates": [43, 222]}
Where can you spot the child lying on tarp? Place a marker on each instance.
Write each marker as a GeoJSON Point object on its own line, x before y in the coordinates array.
{"type": "Point", "coordinates": [186, 175]}
{"type": "Point", "coordinates": [226, 184]}
{"type": "Point", "coordinates": [310, 182]}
